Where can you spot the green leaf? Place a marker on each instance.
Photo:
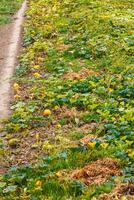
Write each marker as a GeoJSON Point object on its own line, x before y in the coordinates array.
{"type": "Point", "coordinates": [10, 188]}
{"type": "Point", "coordinates": [2, 184]}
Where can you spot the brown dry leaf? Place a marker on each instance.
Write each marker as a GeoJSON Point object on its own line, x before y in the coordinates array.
{"type": "Point", "coordinates": [121, 190]}
{"type": "Point", "coordinates": [87, 139]}
{"type": "Point", "coordinates": [86, 72]}
{"type": "Point", "coordinates": [83, 73]}
{"type": "Point", "coordinates": [63, 47]}
{"type": "Point", "coordinates": [72, 76]}
{"type": "Point", "coordinates": [86, 128]}
{"type": "Point", "coordinates": [68, 113]}
{"type": "Point", "coordinates": [97, 172]}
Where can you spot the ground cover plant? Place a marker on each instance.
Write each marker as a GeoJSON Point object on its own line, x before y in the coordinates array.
{"type": "Point", "coordinates": [7, 9]}
{"type": "Point", "coordinates": [70, 135]}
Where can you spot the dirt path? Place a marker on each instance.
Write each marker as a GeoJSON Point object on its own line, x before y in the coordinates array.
{"type": "Point", "coordinates": [10, 40]}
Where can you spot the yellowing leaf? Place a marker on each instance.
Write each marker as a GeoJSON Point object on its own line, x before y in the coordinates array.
{"type": "Point", "coordinates": [91, 145]}
{"type": "Point", "coordinates": [37, 75]}
{"type": "Point", "coordinates": [38, 183]}
{"type": "Point", "coordinates": [47, 112]}
{"type": "Point", "coordinates": [104, 145]}
{"type": "Point", "coordinates": [58, 126]}
{"type": "Point", "coordinates": [58, 174]}
{"type": "Point", "coordinates": [36, 67]}
{"type": "Point", "coordinates": [47, 146]}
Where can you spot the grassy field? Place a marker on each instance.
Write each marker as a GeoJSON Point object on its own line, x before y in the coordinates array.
{"type": "Point", "coordinates": [7, 9]}
{"type": "Point", "coordinates": [71, 130]}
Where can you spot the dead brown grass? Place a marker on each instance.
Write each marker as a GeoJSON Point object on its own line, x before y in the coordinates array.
{"type": "Point", "coordinates": [83, 73]}
{"type": "Point", "coordinates": [97, 172]}
{"type": "Point", "coordinates": [70, 113]}
{"type": "Point", "coordinates": [120, 191]}
{"type": "Point", "coordinates": [88, 128]}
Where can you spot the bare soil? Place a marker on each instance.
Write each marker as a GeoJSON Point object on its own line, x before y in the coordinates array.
{"type": "Point", "coordinates": [10, 43]}
{"type": "Point", "coordinates": [5, 33]}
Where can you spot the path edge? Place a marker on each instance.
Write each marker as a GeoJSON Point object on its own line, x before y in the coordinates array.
{"type": "Point", "coordinates": [7, 70]}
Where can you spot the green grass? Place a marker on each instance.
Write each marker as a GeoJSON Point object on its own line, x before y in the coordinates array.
{"type": "Point", "coordinates": [63, 38]}
{"type": "Point", "coordinates": [7, 9]}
